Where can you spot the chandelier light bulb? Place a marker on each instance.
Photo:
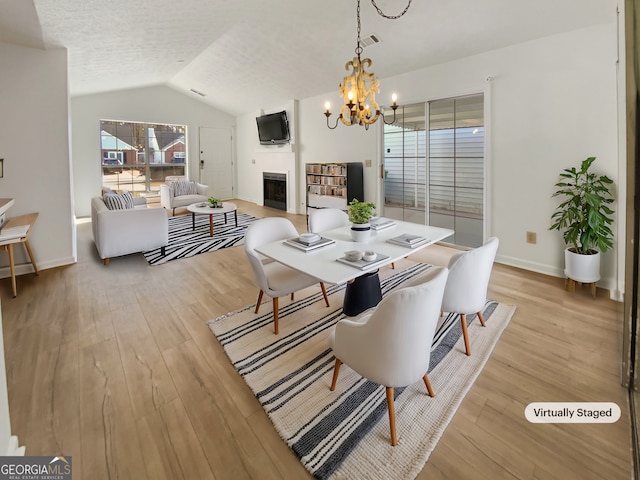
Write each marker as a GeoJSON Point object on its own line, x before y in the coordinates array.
{"type": "Point", "coordinates": [394, 98]}
{"type": "Point", "coordinates": [327, 106]}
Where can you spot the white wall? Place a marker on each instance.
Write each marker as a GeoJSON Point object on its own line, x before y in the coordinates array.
{"type": "Point", "coordinates": [253, 159]}
{"type": "Point", "coordinates": [34, 142]}
{"type": "Point", "coordinates": [151, 104]}
{"type": "Point", "coordinates": [552, 102]}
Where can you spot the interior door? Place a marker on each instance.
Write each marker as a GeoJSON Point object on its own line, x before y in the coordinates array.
{"type": "Point", "coordinates": [216, 163]}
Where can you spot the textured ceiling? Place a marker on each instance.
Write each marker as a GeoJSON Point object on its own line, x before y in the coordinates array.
{"type": "Point", "coordinates": [253, 54]}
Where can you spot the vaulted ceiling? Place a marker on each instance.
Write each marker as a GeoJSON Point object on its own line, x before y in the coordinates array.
{"type": "Point", "coordinates": [252, 54]}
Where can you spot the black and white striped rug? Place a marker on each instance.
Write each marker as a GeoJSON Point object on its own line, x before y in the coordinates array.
{"type": "Point", "coordinates": [185, 241]}
{"type": "Point", "coordinates": [345, 433]}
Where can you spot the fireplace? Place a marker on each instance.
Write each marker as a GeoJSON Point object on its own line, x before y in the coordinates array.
{"type": "Point", "coordinates": [275, 190]}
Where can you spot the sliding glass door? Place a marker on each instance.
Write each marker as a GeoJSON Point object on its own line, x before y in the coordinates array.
{"type": "Point", "coordinates": [405, 165]}
{"type": "Point", "coordinates": [438, 179]}
{"type": "Point", "coordinates": [456, 168]}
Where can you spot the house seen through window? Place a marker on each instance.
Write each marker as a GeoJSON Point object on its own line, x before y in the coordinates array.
{"type": "Point", "coordinates": [138, 156]}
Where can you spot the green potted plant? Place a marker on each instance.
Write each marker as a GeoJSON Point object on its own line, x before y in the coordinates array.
{"type": "Point", "coordinates": [360, 214]}
{"type": "Point", "coordinates": [214, 202]}
{"type": "Point", "coordinates": [585, 219]}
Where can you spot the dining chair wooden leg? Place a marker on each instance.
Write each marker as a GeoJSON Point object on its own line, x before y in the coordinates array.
{"type": "Point", "coordinates": [392, 416]}
{"type": "Point", "coordinates": [336, 372]}
{"type": "Point", "coordinates": [324, 293]}
{"type": "Point", "coordinates": [481, 318]}
{"type": "Point", "coordinates": [259, 301]}
{"type": "Point", "coordinates": [465, 333]}
{"type": "Point", "coordinates": [427, 384]}
{"type": "Point", "coordinates": [275, 314]}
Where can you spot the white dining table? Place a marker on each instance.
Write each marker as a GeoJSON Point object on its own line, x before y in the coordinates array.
{"type": "Point", "coordinates": [323, 263]}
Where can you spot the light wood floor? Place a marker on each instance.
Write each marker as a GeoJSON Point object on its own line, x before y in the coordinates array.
{"type": "Point", "coordinates": [115, 366]}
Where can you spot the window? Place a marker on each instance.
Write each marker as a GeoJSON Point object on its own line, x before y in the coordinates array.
{"type": "Point", "coordinates": [437, 179]}
{"type": "Point", "coordinates": [138, 156]}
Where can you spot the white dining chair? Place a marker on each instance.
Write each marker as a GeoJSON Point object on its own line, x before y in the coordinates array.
{"type": "Point", "coordinates": [466, 291]}
{"type": "Point", "coordinates": [321, 220]}
{"type": "Point", "coordinates": [391, 345]}
{"type": "Point", "coordinates": [273, 278]}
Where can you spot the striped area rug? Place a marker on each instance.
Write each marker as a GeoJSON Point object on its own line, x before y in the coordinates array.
{"type": "Point", "coordinates": [184, 241]}
{"type": "Point", "coordinates": [345, 434]}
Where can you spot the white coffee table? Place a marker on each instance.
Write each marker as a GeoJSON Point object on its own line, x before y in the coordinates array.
{"type": "Point", "coordinates": [197, 209]}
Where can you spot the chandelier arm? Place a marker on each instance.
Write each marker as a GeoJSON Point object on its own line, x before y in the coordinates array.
{"type": "Point", "coordinates": [328, 114]}
{"type": "Point", "coordinates": [390, 17]}
{"type": "Point", "coordinates": [394, 117]}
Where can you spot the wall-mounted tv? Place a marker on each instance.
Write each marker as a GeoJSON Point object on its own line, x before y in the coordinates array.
{"type": "Point", "coordinates": [273, 128]}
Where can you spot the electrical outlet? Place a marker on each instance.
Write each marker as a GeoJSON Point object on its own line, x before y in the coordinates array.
{"type": "Point", "coordinates": [531, 237]}
{"type": "Point", "coordinates": [367, 163]}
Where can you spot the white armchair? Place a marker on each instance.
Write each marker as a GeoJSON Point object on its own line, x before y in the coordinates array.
{"type": "Point", "coordinates": [273, 278]}
{"type": "Point", "coordinates": [171, 197]}
{"type": "Point", "coordinates": [392, 345]}
{"type": "Point", "coordinates": [466, 291]}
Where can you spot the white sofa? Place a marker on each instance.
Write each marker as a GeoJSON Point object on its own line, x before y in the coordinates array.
{"type": "Point", "coordinates": [170, 201]}
{"type": "Point", "coordinates": [121, 232]}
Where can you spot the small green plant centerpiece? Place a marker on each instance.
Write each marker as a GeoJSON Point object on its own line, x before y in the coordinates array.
{"type": "Point", "coordinates": [214, 202]}
{"type": "Point", "coordinates": [360, 214]}
{"type": "Point", "coordinates": [585, 219]}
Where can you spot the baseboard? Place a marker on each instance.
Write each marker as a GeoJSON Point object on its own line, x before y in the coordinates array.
{"type": "Point", "coordinates": [606, 283]}
{"type": "Point", "coordinates": [24, 268]}
{"type": "Point", "coordinates": [531, 266]}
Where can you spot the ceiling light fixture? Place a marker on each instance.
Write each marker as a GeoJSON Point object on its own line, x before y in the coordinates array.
{"type": "Point", "coordinates": [358, 90]}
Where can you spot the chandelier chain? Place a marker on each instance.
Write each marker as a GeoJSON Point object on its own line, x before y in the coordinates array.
{"type": "Point", "coordinates": [382, 14]}
{"type": "Point", "coordinates": [358, 46]}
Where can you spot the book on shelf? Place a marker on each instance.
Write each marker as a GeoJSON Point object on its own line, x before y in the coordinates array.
{"type": "Point", "coordinates": [381, 223]}
{"type": "Point", "coordinates": [363, 264]}
{"type": "Point", "coordinates": [13, 232]}
{"type": "Point", "coordinates": [408, 240]}
{"type": "Point", "coordinates": [308, 246]}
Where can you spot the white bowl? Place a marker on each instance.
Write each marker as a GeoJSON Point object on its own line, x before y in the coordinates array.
{"type": "Point", "coordinates": [369, 256]}
{"type": "Point", "coordinates": [353, 255]}
{"type": "Point", "coordinates": [309, 237]}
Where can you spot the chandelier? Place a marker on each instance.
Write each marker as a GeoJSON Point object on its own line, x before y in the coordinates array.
{"type": "Point", "coordinates": [358, 90]}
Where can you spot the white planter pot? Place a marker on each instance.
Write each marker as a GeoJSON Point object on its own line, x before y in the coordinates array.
{"type": "Point", "coordinates": [582, 268]}
{"type": "Point", "coordinates": [360, 232]}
